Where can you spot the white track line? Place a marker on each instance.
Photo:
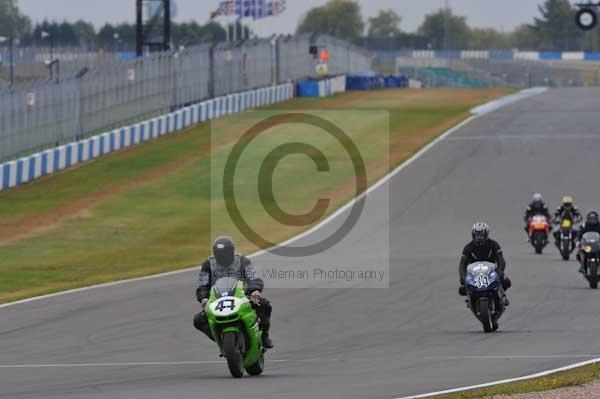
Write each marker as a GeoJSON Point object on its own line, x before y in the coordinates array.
{"type": "Point", "coordinates": [507, 381]}
{"type": "Point", "coordinates": [509, 357]}
{"type": "Point", "coordinates": [481, 110]}
{"type": "Point", "coordinates": [67, 365]}
{"type": "Point", "coordinates": [527, 137]}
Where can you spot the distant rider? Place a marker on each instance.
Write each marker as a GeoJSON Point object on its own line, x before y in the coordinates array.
{"type": "Point", "coordinates": [566, 210]}
{"type": "Point", "coordinates": [536, 207]}
{"type": "Point", "coordinates": [483, 249]}
{"type": "Point", "coordinates": [225, 262]}
{"type": "Point", "coordinates": [592, 223]}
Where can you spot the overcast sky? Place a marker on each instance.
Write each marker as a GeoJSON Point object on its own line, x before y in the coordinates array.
{"type": "Point", "coordinates": [500, 14]}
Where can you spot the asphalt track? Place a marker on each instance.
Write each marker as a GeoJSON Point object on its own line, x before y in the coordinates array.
{"type": "Point", "coordinates": [135, 340]}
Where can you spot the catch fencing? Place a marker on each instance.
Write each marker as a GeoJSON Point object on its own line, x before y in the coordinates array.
{"type": "Point", "coordinates": [103, 93]}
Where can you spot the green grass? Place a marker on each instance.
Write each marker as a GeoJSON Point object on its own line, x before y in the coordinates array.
{"type": "Point", "coordinates": [570, 378]}
{"type": "Point", "coordinates": [149, 209]}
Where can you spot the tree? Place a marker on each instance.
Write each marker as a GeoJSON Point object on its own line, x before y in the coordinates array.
{"type": "Point", "coordinates": [86, 34]}
{"type": "Point", "coordinates": [487, 38]}
{"type": "Point", "coordinates": [525, 37]}
{"type": "Point", "coordinates": [12, 22]}
{"type": "Point", "coordinates": [385, 24]}
{"type": "Point", "coordinates": [556, 29]}
{"type": "Point", "coordinates": [191, 32]}
{"type": "Point", "coordinates": [445, 30]}
{"type": "Point", "coordinates": [339, 18]}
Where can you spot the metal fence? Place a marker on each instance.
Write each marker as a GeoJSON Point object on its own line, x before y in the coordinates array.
{"type": "Point", "coordinates": [497, 72]}
{"type": "Point", "coordinates": [107, 92]}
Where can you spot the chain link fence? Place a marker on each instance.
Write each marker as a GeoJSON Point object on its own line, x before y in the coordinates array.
{"type": "Point", "coordinates": [99, 93]}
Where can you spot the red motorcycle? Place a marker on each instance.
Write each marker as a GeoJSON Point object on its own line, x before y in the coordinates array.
{"type": "Point", "coordinates": [539, 231]}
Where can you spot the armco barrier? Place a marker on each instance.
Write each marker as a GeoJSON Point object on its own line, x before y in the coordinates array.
{"type": "Point", "coordinates": [23, 170]}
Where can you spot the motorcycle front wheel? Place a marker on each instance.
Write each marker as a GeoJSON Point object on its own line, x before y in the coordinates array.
{"type": "Point", "coordinates": [231, 350]}
{"type": "Point", "coordinates": [593, 275]}
{"type": "Point", "coordinates": [485, 316]}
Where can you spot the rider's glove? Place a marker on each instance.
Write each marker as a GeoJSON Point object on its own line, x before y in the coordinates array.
{"type": "Point", "coordinates": [256, 295]}
{"type": "Point", "coordinates": [203, 303]}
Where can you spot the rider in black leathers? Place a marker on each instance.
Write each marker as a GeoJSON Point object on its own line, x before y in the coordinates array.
{"type": "Point", "coordinates": [226, 263]}
{"type": "Point", "coordinates": [536, 207]}
{"type": "Point", "coordinates": [483, 249]}
{"type": "Point", "coordinates": [566, 211]}
{"type": "Point", "coordinates": [592, 223]}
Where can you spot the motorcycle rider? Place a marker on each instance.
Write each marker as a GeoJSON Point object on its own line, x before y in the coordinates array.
{"type": "Point", "coordinates": [592, 223]}
{"type": "Point", "coordinates": [536, 207]}
{"type": "Point", "coordinates": [566, 210]}
{"type": "Point", "coordinates": [483, 249]}
{"type": "Point", "coordinates": [225, 262]}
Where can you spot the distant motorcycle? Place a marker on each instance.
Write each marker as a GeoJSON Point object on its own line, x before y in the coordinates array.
{"type": "Point", "coordinates": [485, 296]}
{"type": "Point", "coordinates": [590, 257]}
{"type": "Point", "coordinates": [539, 230]}
{"type": "Point", "coordinates": [566, 242]}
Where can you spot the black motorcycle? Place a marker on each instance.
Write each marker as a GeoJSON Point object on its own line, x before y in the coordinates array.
{"type": "Point", "coordinates": [590, 257]}
{"type": "Point", "coordinates": [566, 238]}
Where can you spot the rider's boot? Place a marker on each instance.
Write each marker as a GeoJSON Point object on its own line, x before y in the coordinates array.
{"type": "Point", "coordinates": [494, 325]}
{"type": "Point", "coordinates": [266, 341]}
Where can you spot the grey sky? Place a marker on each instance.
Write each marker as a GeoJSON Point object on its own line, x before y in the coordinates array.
{"type": "Point", "coordinates": [500, 14]}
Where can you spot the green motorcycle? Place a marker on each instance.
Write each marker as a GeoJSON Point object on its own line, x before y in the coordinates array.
{"type": "Point", "coordinates": [234, 325]}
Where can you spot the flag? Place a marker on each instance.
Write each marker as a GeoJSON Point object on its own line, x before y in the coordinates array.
{"type": "Point", "coordinates": [226, 8]}
{"type": "Point", "coordinates": [257, 9]}
{"type": "Point", "coordinates": [276, 7]}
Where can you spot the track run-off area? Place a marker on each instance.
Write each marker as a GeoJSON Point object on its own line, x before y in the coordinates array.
{"type": "Point", "coordinates": [136, 340]}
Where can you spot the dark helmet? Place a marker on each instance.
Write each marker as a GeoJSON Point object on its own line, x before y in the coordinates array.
{"type": "Point", "coordinates": [224, 250]}
{"type": "Point", "coordinates": [537, 201]}
{"type": "Point", "coordinates": [480, 233]}
{"type": "Point", "coordinates": [592, 218]}
{"type": "Point", "coordinates": [567, 202]}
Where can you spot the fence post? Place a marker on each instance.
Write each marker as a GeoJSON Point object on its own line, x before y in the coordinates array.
{"type": "Point", "coordinates": [211, 71]}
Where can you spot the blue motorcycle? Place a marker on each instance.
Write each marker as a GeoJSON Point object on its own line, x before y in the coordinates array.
{"type": "Point", "coordinates": [485, 295]}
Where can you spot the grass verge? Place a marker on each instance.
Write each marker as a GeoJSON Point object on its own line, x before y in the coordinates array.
{"type": "Point", "coordinates": [569, 378]}
{"type": "Point", "coordinates": [147, 209]}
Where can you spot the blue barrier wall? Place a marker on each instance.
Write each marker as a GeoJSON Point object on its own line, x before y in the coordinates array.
{"type": "Point", "coordinates": [500, 55]}
{"type": "Point", "coordinates": [308, 88]}
{"type": "Point", "coordinates": [550, 55]}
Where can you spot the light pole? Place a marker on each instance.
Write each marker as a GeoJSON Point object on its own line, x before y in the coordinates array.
{"type": "Point", "coordinates": [117, 42]}
{"type": "Point", "coordinates": [446, 24]}
{"type": "Point", "coordinates": [10, 41]}
{"type": "Point", "coordinates": [44, 35]}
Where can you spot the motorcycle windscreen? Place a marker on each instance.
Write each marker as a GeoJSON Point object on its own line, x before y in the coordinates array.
{"type": "Point", "coordinates": [481, 268]}
{"type": "Point", "coordinates": [225, 287]}
{"type": "Point", "coordinates": [591, 237]}
{"type": "Point", "coordinates": [591, 240]}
